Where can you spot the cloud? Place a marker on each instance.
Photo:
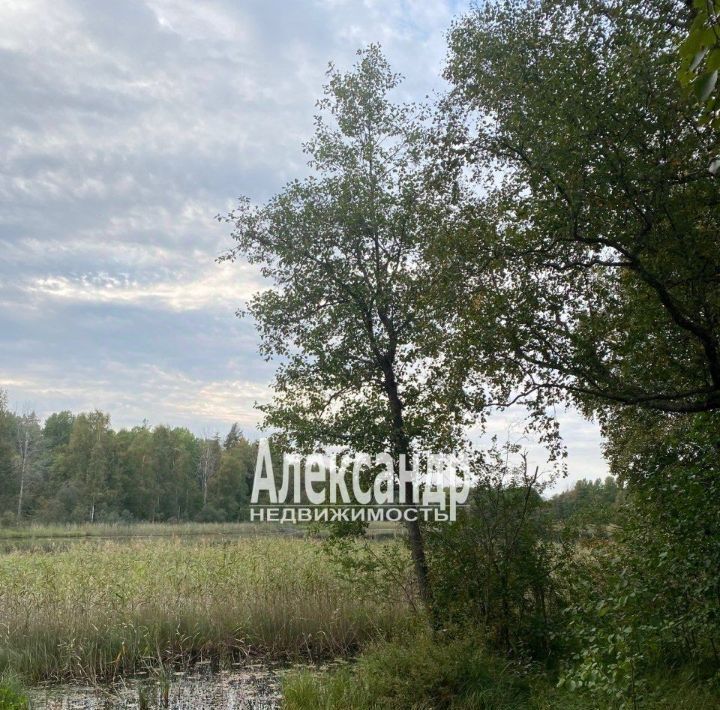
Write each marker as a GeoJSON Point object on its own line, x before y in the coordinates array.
{"type": "Point", "coordinates": [147, 392]}
{"type": "Point", "coordinates": [215, 286]}
{"type": "Point", "coordinates": [125, 127]}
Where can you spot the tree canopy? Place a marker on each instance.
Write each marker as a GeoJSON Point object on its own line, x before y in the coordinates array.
{"type": "Point", "coordinates": [590, 264]}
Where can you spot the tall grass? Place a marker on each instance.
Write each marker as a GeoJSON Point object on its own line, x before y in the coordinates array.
{"type": "Point", "coordinates": [427, 672]}
{"type": "Point", "coordinates": [101, 609]}
{"type": "Point", "coordinates": [419, 672]}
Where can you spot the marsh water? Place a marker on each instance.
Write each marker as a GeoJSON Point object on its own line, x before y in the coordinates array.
{"type": "Point", "coordinates": [246, 684]}
{"type": "Point", "coordinates": [252, 686]}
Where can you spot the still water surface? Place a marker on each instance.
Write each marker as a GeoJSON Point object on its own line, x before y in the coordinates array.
{"type": "Point", "coordinates": [253, 687]}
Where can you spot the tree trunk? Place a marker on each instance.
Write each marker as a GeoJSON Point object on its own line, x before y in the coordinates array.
{"type": "Point", "coordinates": [417, 549]}
{"type": "Point", "coordinates": [22, 488]}
{"type": "Point", "coordinates": [402, 447]}
{"type": "Point", "coordinates": [24, 454]}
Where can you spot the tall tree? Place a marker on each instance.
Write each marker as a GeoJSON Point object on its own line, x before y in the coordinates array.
{"type": "Point", "coordinates": [28, 441]}
{"type": "Point", "coordinates": [86, 462]}
{"type": "Point", "coordinates": [234, 437]}
{"type": "Point", "coordinates": [138, 486]}
{"type": "Point", "coordinates": [57, 429]}
{"type": "Point", "coordinates": [346, 312]}
{"type": "Point", "coordinates": [591, 265]}
{"type": "Point", "coordinates": [208, 462]}
{"type": "Point", "coordinates": [229, 490]}
{"type": "Point", "coordinates": [8, 488]}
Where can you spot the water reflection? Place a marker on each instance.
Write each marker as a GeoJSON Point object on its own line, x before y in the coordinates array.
{"type": "Point", "coordinates": [255, 686]}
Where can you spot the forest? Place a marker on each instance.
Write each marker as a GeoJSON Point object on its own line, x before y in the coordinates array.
{"type": "Point", "coordinates": [77, 469]}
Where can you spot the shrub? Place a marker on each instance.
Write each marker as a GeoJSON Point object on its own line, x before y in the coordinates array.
{"type": "Point", "coordinates": [647, 602]}
{"type": "Point", "coordinates": [491, 569]}
{"type": "Point", "coordinates": [421, 672]}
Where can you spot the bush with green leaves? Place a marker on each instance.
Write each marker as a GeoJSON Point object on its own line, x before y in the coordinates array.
{"type": "Point", "coordinates": [650, 598]}
{"type": "Point", "coordinates": [672, 531]}
{"type": "Point", "coordinates": [492, 567]}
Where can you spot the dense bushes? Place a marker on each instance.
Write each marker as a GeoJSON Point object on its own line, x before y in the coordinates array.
{"type": "Point", "coordinates": [584, 615]}
{"type": "Point", "coordinates": [422, 672]}
{"type": "Point", "coordinates": [648, 600]}
{"type": "Point", "coordinates": [492, 568]}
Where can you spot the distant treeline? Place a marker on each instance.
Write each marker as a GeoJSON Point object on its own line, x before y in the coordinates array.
{"type": "Point", "coordinates": [589, 501]}
{"type": "Point", "coordinates": [75, 468]}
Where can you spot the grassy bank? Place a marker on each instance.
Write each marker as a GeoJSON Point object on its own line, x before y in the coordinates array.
{"type": "Point", "coordinates": [426, 673]}
{"type": "Point", "coordinates": [99, 609]}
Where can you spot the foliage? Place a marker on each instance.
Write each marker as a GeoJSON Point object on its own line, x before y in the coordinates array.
{"type": "Point", "coordinates": [341, 250]}
{"type": "Point", "coordinates": [384, 571]}
{"type": "Point", "coordinates": [553, 238]}
{"type": "Point", "coordinates": [584, 270]}
{"type": "Point", "coordinates": [651, 598]}
{"type": "Point", "coordinates": [587, 267]}
{"type": "Point", "coordinates": [700, 61]}
{"type": "Point", "coordinates": [589, 502]}
{"type": "Point", "coordinates": [421, 672]}
{"type": "Point", "coordinates": [345, 313]}
{"type": "Point", "coordinates": [492, 569]}
{"type": "Point", "coordinates": [462, 675]}
{"type": "Point", "coordinates": [12, 693]}
{"type": "Point", "coordinates": [76, 468]}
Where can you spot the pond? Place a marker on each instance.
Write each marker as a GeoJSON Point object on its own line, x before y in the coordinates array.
{"type": "Point", "coordinates": [252, 687]}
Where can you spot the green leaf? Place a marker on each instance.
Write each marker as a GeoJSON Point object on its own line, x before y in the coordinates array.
{"type": "Point", "coordinates": [713, 59]}
{"type": "Point", "coordinates": [699, 56]}
{"type": "Point", "coordinates": [706, 85]}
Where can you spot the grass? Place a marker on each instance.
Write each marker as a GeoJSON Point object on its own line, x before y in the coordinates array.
{"type": "Point", "coordinates": [52, 537]}
{"type": "Point", "coordinates": [103, 608]}
{"type": "Point", "coordinates": [12, 695]}
{"type": "Point", "coordinates": [97, 606]}
{"type": "Point", "coordinates": [419, 673]}
{"type": "Point", "coordinates": [127, 530]}
{"type": "Point", "coordinates": [424, 673]}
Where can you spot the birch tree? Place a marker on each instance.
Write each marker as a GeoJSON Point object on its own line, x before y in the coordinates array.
{"type": "Point", "coordinates": [208, 462]}
{"type": "Point", "coordinates": [27, 443]}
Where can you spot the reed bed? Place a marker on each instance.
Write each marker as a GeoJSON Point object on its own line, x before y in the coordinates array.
{"type": "Point", "coordinates": [102, 609]}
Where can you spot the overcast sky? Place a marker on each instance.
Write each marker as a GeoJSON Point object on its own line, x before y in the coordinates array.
{"type": "Point", "coordinates": [125, 127]}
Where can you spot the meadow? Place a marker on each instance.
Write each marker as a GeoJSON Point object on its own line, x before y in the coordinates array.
{"type": "Point", "coordinates": [102, 607]}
